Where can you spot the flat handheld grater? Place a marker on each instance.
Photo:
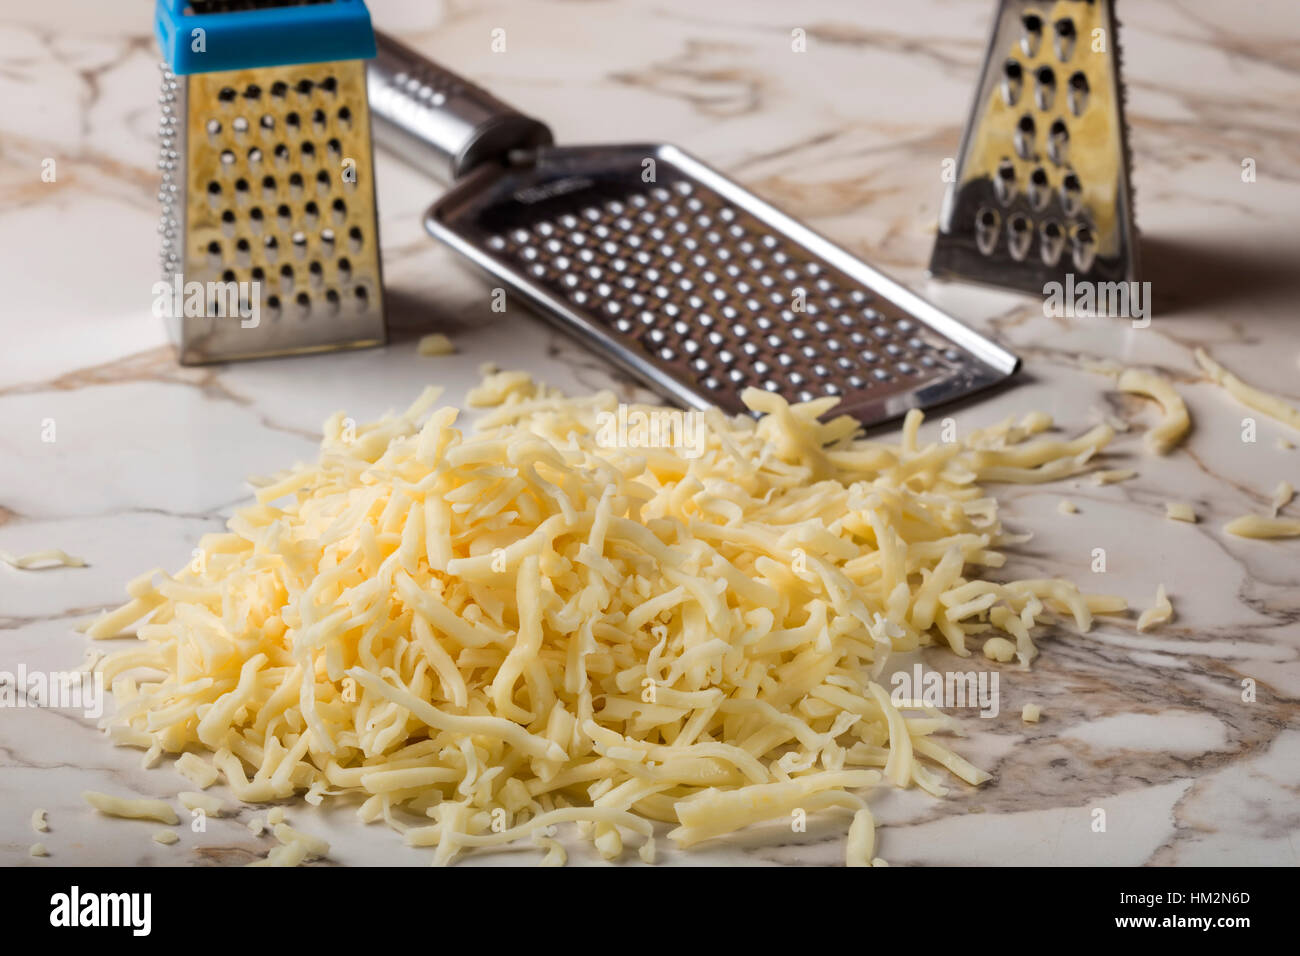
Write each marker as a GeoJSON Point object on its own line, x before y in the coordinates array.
{"type": "Point", "coordinates": [672, 271]}
{"type": "Point", "coordinates": [1042, 180]}
{"type": "Point", "coordinates": [267, 176]}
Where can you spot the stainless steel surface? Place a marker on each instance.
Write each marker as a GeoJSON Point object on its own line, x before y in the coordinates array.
{"type": "Point", "coordinates": [1042, 183]}
{"type": "Point", "coordinates": [438, 122]}
{"type": "Point", "coordinates": [699, 288]}
{"type": "Point", "coordinates": [267, 184]}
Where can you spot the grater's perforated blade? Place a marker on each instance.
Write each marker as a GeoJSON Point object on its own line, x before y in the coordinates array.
{"type": "Point", "coordinates": [701, 290]}
{"type": "Point", "coordinates": [268, 181]}
{"type": "Point", "coordinates": [1042, 181]}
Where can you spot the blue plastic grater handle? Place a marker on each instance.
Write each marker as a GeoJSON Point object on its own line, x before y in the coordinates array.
{"type": "Point", "coordinates": [270, 36]}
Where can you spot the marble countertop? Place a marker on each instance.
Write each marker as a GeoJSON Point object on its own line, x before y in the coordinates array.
{"type": "Point", "coordinates": [851, 136]}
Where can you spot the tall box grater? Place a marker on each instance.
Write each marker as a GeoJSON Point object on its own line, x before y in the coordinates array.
{"type": "Point", "coordinates": [269, 225]}
{"type": "Point", "coordinates": [1042, 185]}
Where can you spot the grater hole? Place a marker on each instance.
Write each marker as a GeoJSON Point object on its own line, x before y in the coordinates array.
{"type": "Point", "coordinates": [304, 303]}
{"type": "Point", "coordinates": [1039, 188]}
{"type": "Point", "coordinates": [1071, 193]}
{"type": "Point", "coordinates": [228, 275]}
{"type": "Point", "coordinates": [340, 210]}
{"type": "Point", "coordinates": [332, 300]}
{"type": "Point", "coordinates": [1045, 92]}
{"type": "Point", "coordinates": [240, 125]}
{"type": "Point", "coordinates": [299, 241]}
{"type": "Point", "coordinates": [227, 159]}
{"type": "Point", "coordinates": [311, 213]}
{"type": "Point", "coordinates": [1053, 241]}
{"type": "Point", "coordinates": [254, 156]}
{"type": "Point", "coordinates": [228, 223]}
{"type": "Point", "coordinates": [327, 240]}
{"type": "Point", "coordinates": [252, 92]}
{"type": "Point", "coordinates": [295, 185]}
{"type": "Point", "coordinates": [270, 248]}
{"type": "Point", "coordinates": [345, 118]}
{"type": "Point", "coordinates": [323, 183]}
{"type": "Point", "coordinates": [279, 89]}
{"type": "Point", "coordinates": [316, 273]}
{"type": "Point", "coordinates": [281, 155]}
{"type": "Point", "coordinates": [227, 95]}
{"type": "Point", "coordinates": [258, 274]}
{"type": "Point", "coordinates": [1012, 81]}
{"type": "Point", "coordinates": [986, 233]}
{"type": "Point", "coordinates": [1005, 184]}
{"type": "Point", "coordinates": [1058, 141]}
{"type": "Point", "coordinates": [305, 86]}
{"type": "Point", "coordinates": [283, 215]}
{"type": "Point", "coordinates": [1019, 234]}
{"type": "Point", "coordinates": [308, 151]}
{"type": "Point", "coordinates": [286, 278]}
{"type": "Point", "coordinates": [1078, 93]}
{"type": "Point", "coordinates": [330, 85]}
{"type": "Point", "coordinates": [267, 122]}
{"type": "Point", "coordinates": [214, 128]}
{"type": "Point", "coordinates": [1026, 129]}
{"type": "Point", "coordinates": [293, 123]}
{"type": "Point", "coordinates": [334, 148]}
{"type": "Point", "coordinates": [345, 269]}
{"type": "Point", "coordinates": [355, 239]}
{"type": "Point", "coordinates": [318, 120]}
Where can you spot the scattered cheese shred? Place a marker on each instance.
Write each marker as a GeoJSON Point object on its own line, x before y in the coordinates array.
{"type": "Point", "coordinates": [165, 837]}
{"type": "Point", "coordinates": [1067, 507]}
{"type": "Point", "coordinates": [197, 770]}
{"type": "Point", "coordinates": [555, 854]}
{"type": "Point", "coordinates": [1271, 405]}
{"type": "Point", "coordinates": [1180, 511]}
{"type": "Point", "coordinates": [193, 800]}
{"type": "Point", "coordinates": [42, 560]}
{"type": "Point", "coordinates": [533, 621]}
{"type": "Point", "coordinates": [316, 847]}
{"type": "Point", "coordinates": [1031, 713]}
{"type": "Point", "coordinates": [1113, 475]}
{"type": "Point", "coordinates": [38, 849]}
{"type": "Point", "coordinates": [1256, 526]}
{"type": "Point", "coordinates": [291, 854]}
{"type": "Point", "coordinates": [1159, 613]}
{"type": "Point", "coordinates": [1174, 423]}
{"type": "Point", "coordinates": [39, 822]}
{"type": "Point", "coordinates": [1282, 496]}
{"type": "Point", "coordinates": [435, 344]}
{"type": "Point", "coordinates": [133, 809]}
{"type": "Point", "coordinates": [862, 839]}
{"type": "Point", "coordinates": [999, 649]}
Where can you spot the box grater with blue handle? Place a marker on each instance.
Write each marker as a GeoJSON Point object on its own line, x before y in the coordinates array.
{"type": "Point", "coordinates": [269, 226]}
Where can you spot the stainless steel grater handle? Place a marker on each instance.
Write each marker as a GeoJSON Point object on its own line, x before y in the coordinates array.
{"type": "Point", "coordinates": [440, 123]}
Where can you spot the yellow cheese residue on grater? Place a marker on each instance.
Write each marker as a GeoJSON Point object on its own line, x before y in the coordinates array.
{"type": "Point", "coordinates": [1094, 159]}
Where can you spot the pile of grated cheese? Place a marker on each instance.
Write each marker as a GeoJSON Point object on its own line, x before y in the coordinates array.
{"type": "Point", "coordinates": [480, 636]}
